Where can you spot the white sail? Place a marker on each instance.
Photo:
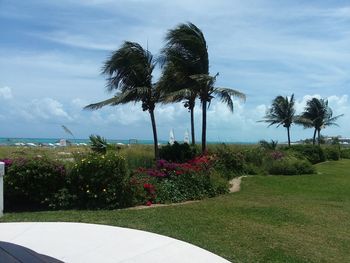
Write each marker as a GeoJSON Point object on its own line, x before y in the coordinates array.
{"type": "Point", "coordinates": [187, 137]}
{"type": "Point", "coordinates": [171, 137]}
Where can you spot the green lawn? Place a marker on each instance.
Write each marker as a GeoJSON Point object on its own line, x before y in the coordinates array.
{"type": "Point", "coordinates": [272, 219]}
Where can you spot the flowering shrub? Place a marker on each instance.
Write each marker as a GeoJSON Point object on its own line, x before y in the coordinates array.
{"type": "Point", "coordinates": [32, 183]}
{"type": "Point", "coordinates": [100, 181]}
{"type": "Point", "coordinates": [230, 162]}
{"type": "Point", "coordinates": [276, 155]}
{"type": "Point", "coordinates": [175, 182]}
{"type": "Point", "coordinates": [8, 162]}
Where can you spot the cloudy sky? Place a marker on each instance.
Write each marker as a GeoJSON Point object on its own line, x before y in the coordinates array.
{"type": "Point", "coordinates": [51, 53]}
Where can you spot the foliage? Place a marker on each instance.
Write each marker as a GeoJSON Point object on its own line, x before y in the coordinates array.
{"type": "Point", "coordinates": [314, 154]}
{"type": "Point", "coordinates": [98, 144]}
{"type": "Point", "coordinates": [138, 156]}
{"type": "Point", "coordinates": [129, 71]}
{"type": "Point", "coordinates": [177, 152]}
{"type": "Point", "coordinates": [176, 182]}
{"type": "Point", "coordinates": [186, 67]}
{"type": "Point", "coordinates": [345, 153]}
{"type": "Point", "coordinates": [255, 155]}
{"type": "Point", "coordinates": [332, 152]}
{"type": "Point", "coordinates": [281, 112]}
{"type": "Point", "coordinates": [229, 162]}
{"type": "Point", "coordinates": [290, 167]}
{"type": "Point", "coordinates": [268, 145]}
{"type": "Point", "coordinates": [32, 183]}
{"type": "Point", "coordinates": [100, 181]}
{"type": "Point", "coordinates": [318, 115]}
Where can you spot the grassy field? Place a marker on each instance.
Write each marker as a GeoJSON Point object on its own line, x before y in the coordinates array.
{"type": "Point", "coordinates": [272, 218]}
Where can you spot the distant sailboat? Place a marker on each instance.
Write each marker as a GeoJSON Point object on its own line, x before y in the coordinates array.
{"type": "Point", "coordinates": [187, 137]}
{"type": "Point", "coordinates": [171, 137]}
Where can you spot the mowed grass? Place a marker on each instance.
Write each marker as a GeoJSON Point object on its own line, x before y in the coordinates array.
{"type": "Point", "coordinates": [272, 218]}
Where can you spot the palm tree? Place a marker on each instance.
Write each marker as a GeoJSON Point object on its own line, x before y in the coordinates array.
{"type": "Point", "coordinates": [207, 92]}
{"type": "Point", "coordinates": [176, 88]}
{"type": "Point", "coordinates": [186, 56]}
{"type": "Point", "coordinates": [318, 115]}
{"type": "Point", "coordinates": [281, 112]}
{"type": "Point", "coordinates": [129, 71]}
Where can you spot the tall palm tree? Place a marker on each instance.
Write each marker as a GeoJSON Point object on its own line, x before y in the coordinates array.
{"type": "Point", "coordinates": [207, 92]}
{"type": "Point", "coordinates": [281, 112]}
{"type": "Point", "coordinates": [177, 87]}
{"type": "Point", "coordinates": [129, 71]}
{"type": "Point", "coordinates": [186, 55]}
{"type": "Point", "coordinates": [318, 115]}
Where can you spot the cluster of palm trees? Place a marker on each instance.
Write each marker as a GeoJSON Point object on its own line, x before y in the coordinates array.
{"type": "Point", "coordinates": [185, 77]}
{"type": "Point", "coordinates": [317, 115]}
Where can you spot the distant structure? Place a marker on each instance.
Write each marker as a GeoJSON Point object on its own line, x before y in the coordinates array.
{"type": "Point", "coordinates": [341, 140]}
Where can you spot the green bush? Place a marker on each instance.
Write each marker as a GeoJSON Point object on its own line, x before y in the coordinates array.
{"type": "Point", "coordinates": [31, 184]}
{"type": "Point", "coordinates": [190, 186]}
{"type": "Point", "coordinates": [345, 153]}
{"type": "Point", "coordinates": [255, 156]}
{"type": "Point", "coordinates": [332, 153]}
{"type": "Point", "coordinates": [177, 152]}
{"type": "Point", "coordinates": [313, 153]}
{"type": "Point", "coordinates": [100, 182]}
{"type": "Point", "coordinates": [290, 167]}
{"type": "Point", "coordinates": [252, 169]}
{"type": "Point", "coordinates": [229, 162]}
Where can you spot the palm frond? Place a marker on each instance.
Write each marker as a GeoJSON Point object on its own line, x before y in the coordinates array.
{"type": "Point", "coordinates": [128, 67]}
{"type": "Point", "coordinates": [101, 104]}
{"type": "Point", "coordinates": [226, 95]}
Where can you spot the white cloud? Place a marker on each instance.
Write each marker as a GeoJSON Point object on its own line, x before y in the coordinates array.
{"type": "Point", "coordinates": [47, 109]}
{"type": "Point", "coordinates": [6, 93]}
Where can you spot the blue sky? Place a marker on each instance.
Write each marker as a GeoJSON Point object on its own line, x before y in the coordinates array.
{"type": "Point", "coordinates": [51, 53]}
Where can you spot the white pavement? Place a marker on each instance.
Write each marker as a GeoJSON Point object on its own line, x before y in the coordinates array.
{"type": "Point", "coordinates": [85, 243]}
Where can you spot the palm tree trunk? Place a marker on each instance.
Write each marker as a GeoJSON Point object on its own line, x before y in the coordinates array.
{"type": "Point", "coordinates": [204, 126]}
{"type": "Point", "coordinates": [319, 137]}
{"type": "Point", "coordinates": [288, 132]}
{"type": "Point", "coordinates": [314, 138]}
{"type": "Point", "coordinates": [192, 126]}
{"type": "Point", "coordinates": [155, 137]}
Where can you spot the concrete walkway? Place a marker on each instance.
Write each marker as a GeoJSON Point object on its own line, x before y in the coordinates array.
{"type": "Point", "coordinates": [85, 243]}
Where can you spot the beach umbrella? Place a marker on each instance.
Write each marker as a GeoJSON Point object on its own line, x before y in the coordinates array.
{"type": "Point", "coordinates": [171, 137]}
{"type": "Point", "coordinates": [187, 137]}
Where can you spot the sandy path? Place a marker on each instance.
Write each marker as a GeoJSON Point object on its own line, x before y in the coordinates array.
{"type": "Point", "coordinates": [235, 184]}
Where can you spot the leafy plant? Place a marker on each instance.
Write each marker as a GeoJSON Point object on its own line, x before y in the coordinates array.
{"type": "Point", "coordinates": [281, 112]}
{"type": "Point", "coordinates": [317, 115]}
{"type": "Point", "coordinates": [332, 152]}
{"type": "Point", "coordinates": [98, 144]}
{"type": "Point", "coordinates": [100, 181]}
{"type": "Point", "coordinates": [177, 152]}
{"type": "Point", "coordinates": [290, 167]}
{"type": "Point", "coordinates": [229, 162]}
{"type": "Point", "coordinates": [312, 153]}
{"type": "Point", "coordinates": [268, 145]}
{"type": "Point", "coordinates": [345, 153]}
{"type": "Point", "coordinates": [32, 183]}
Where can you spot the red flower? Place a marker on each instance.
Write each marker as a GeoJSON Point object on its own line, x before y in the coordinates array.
{"type": "Point", "coordinates": [148, 203]}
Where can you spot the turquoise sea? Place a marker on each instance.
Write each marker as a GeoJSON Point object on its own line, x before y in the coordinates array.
{"type": "Point", "coordinates": [53, 141]}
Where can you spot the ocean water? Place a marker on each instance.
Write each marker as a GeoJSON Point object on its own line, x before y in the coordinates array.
{"type": "Point", "coordinates": [45, 141]}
